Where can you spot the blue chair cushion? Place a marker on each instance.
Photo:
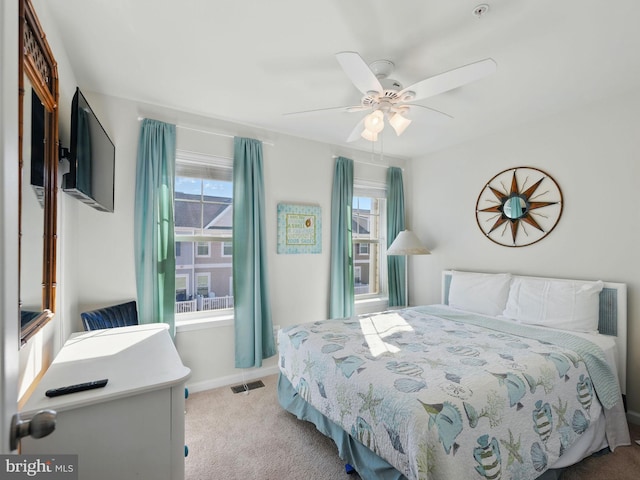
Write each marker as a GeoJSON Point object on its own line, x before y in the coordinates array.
{"type": "Point", "coordinates": [111, 317]}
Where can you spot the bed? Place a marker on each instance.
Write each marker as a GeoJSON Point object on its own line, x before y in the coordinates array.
{"type": "Point", "coordinates": [509, 377]}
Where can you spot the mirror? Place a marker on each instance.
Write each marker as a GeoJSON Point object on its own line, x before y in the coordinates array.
{"type": "Point", "coordinates": [514, 207]}
{"type": "Point", "coordinates": [32, 212]}
{"type": "Point", "coordinates": [38, 159]}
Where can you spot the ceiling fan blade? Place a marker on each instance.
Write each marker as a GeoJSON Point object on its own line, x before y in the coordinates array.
{"type": "Point", "coordinates": [355, 133]}
{"type": "Point", "coordinates": [426, 112]}
{"type": "Point", "coordinates": [322, 110]}
{"type": "Point", "coordinates": [358, 108]}
{"type": "Point", "coordinates": [359, 72]}
{"type": "Point", "coordinates": [452, 79]}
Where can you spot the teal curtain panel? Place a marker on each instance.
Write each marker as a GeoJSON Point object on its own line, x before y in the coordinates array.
{"type": "Point", "coordinates": [342, 299]}
{"type": "Point", "coordinates": [395, 224]}
{"type": "Point", "coordinates": [154, 223]}
{"type": "Point", "coordinates": [252, 310]}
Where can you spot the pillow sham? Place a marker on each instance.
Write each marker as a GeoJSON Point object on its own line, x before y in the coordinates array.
{"type": "Point", "coordinates": [484, 293]}
{"type": "Point", "coordinates": [566, 305]}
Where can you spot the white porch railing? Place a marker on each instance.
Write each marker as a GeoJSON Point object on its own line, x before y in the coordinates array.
{"type": "Point", "coordinates": [206, 303]}
{"type": "Point", "coordinates": [186, 306]}
{"type": "Point", "coordinates": [216, 303]}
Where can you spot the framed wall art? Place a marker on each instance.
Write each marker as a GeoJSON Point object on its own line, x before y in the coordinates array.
{"type": "Point", "coordinates": [299, 229]}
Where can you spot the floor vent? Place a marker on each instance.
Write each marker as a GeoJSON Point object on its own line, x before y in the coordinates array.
{"type": "Point", "coordinates": [249, 386]}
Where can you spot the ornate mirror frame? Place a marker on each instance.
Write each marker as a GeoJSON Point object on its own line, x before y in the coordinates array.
{"type": "Point", "coordinates": [39, 66]}
{"type": "Point", "coordinates": [519, 206]}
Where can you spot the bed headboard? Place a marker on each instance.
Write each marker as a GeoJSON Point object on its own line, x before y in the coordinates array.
{"type": "Point", "coordinates": [612, 316]}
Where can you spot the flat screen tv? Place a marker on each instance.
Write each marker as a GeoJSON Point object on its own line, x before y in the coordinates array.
{"type": "Point", "coordinates": [92, 158]}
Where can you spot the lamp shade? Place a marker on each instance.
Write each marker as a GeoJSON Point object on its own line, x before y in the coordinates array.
{"type": "Point", "coordinates": [399, 123]}
{"type": "Point", "coordinates": [406, 243]}
{"type": "Point", "coordinates": [369, 135]}
{"type": "Point", "coordinates": [374, 122]}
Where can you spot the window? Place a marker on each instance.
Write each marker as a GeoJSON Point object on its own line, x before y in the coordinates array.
{"type": "Point", "coordinates": [182, 286]}
{"type": "Point", "coordinates": [203, 232]}
{"type": "Point", "coordinates": [203, 249]}
{"type": "Point", "coordinates": [202, 280]}
{"type": "Point", "coordinates": [357, 275]}
{"type": "Point", "coordinates": [368, 233]}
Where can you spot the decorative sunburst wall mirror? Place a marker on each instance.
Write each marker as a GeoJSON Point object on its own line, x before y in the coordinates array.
{"type": "Point", "coordinates": [519, 206]}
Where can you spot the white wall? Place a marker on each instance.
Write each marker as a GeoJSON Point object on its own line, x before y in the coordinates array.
{"type": "Point", "coordinates": [592, 153]}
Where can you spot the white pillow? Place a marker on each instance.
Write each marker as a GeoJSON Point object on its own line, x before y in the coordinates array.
{"type": "Point", "coordinates": [484, 293]}
{"type": "Point", "coordinates": [567, 305]}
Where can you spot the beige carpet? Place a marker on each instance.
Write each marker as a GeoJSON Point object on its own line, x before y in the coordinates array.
{"type": "Point", "coordinates": [239, 436]}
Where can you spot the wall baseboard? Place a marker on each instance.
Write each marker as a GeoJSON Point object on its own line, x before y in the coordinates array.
{"type": "Point", "coordinates": [232, 379]}
{"type": "Point", "coordinates": [633, 417]}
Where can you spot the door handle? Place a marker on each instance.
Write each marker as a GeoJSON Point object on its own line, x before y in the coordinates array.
{"type": "Point", "coordinates": [40, 425]}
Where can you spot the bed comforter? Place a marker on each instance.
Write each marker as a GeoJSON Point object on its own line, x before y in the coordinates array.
{"type": "Point", "coordinates": [442, 394]}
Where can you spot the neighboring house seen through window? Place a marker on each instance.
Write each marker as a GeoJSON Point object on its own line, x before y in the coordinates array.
{"type": "Point", "coordinates": [203, 232]}
{"type": "Point", "coordinates": [368, 233]}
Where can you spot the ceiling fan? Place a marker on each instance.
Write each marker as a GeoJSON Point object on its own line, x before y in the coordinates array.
{"type": "Point", "coordinates": [386, 97]}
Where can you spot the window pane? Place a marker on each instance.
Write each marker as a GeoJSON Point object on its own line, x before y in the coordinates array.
{"type": "Point", "coordinates": [203, 208]}
{"type": "Point", "coordinates": [181, 287]}
{"type": "Point", "coordinates": [203, 284]}
{"type": "Point", "coordinates": [187, 186]}
{"type": "Point", "coordinates": [366, 269]}
{"type": "Point", "coordinates": [367, 228]}
{"type": "Point", "coordinates": [218, 188]}
{"type": "Point", "coordinates": [211, 276]}
{"type": "Point", "coordinates": [203, 249]}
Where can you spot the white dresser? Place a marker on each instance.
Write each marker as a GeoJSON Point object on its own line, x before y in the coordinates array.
{"type": "Point", "coordinates": [133, 428]}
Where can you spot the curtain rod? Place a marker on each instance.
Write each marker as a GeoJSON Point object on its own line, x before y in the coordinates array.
{"type": "Point", "coordinates": [369, 163]}
{"type": "Point", "coordinates": [210, 132]}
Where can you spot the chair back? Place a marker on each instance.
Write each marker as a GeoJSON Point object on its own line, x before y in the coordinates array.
{"type": "Point", "coordinates": [120, 315]}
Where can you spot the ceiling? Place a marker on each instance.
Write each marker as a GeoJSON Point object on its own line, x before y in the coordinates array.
{"type": "Point", "coordinates": [252, 61]}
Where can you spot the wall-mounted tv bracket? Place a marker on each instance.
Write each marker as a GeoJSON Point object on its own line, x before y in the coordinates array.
{"type": "Point", "coordinates": [63, 153]}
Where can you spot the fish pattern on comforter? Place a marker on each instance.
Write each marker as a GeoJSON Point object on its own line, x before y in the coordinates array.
{"type": "Point", "coordinates": [442, 399]}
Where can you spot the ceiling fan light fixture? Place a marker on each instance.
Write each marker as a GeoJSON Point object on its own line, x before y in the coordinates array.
{"type": "Point", "coordinates": [374, 122]}
{"type": "Point", "coordinates": [385, 97]}
{"type": "Point", "coordinates": [369, 135]}
{"type": "Point", "coordinates": [399, 123]}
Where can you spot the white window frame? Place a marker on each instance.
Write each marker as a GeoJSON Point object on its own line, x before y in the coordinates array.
{"type": "Point", "coordinates": [363, 188]}
{"type": "Point", "coordinates": [222, 317]}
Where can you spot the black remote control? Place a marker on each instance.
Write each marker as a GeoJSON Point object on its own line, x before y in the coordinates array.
{"type": "Point", "coordinates": [79, 387]}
